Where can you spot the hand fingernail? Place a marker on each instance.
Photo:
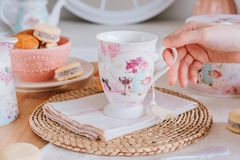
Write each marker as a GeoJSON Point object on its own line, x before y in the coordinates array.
{"type": "Point", "coordinates": [183, 85]}
{"type": "Point", "coordinates": [193, 79]}
{"type": "Point", "coordinates": [167, 40]}
{"type": "Point", "coordinates": [170, 83]}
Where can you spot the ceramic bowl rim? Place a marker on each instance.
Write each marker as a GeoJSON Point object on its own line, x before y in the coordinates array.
{"type": "Point", "coordinates": [44, 49]}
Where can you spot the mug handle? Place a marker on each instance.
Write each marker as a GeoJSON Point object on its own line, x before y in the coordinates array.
{"type": "Point", "coordinates": [3, 17]}
{"type": "Point", "coordinates": [161, 71]}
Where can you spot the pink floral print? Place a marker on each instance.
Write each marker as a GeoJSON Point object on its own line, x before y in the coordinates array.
{"type": "Point", "coordinates": [215, 74]}
{"type": "Point", "coordinates": [6, 75]}
{"type": "Point", "coordinates": [110, 50]}
{"type": "Point", "coordinates": [143, 65]}
{"type": "Point", "coordinates": [230, 88]}
{"type": "Point", "coordinates": [147, 80]}
{"type": "Point", "coordinates": [9, 45]}
{"type": "Point", "coordinates": [133, 64]}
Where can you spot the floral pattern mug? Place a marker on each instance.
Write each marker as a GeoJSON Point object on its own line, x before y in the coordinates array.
{"type": "Point", "coordinates": [126, 66]}
{"type": "Point", "coordinates": [8, 99]}
{"type": "Point", "coordinates": [218, 79]}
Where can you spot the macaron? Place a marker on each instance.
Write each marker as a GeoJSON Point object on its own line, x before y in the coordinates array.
{"type": "Point", "coordinates": [46, 32]}
{"type": "Point", "coordinates": [20, 151]}
{"type": "Point", "coordinates": [234, 121]}
{"type": "Point", "coordinates": [51, 45]}
{"type": "Point", "coordinates": [26, 41]}
{"type": "Point", "coordinates": [47, 45]}
{"type": "Point", "coordinates": [69, 71]}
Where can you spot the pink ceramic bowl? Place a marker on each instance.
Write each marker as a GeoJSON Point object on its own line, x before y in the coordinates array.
{"type": "Point", "coordinates": [37, 65]}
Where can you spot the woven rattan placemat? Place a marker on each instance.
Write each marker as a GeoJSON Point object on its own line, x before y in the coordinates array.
{"type": "Point", "coordinates": [164, 137]}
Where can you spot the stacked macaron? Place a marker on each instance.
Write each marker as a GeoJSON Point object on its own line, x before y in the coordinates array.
{"type": "Point", "coordinates": [48, 35]}
{"type": "Point", "coordinates": [42, 36]}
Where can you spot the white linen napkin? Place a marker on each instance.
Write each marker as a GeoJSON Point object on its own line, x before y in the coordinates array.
{"type": "Point", "coordinates": [84, 116]}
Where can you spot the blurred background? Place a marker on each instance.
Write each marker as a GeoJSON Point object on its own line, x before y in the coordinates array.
{"type": "Point", "coordinates": [179, 10]}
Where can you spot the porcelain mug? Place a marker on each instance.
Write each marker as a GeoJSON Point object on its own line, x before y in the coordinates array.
{"type": "Point", "coordinates": [220, 80]}
{"type": "Point", "coordinates": [8, 99]}
{"type": "Point", "coordinates": [126, 66]}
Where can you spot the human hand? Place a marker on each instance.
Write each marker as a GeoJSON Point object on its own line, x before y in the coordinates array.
{"type": "Point", "coordinates": [198, 43]}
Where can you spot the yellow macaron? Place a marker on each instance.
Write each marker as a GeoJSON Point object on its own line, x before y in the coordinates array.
{"type": "Point", "coordinates": [69, 71]}
{"type": "Point", "coordinates": [20, 151]}
{"type": "Point", "coordinates": [234, 121]}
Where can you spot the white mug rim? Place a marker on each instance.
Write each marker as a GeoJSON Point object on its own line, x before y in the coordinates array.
{"type": "Point", "coordinates": [100, 37]}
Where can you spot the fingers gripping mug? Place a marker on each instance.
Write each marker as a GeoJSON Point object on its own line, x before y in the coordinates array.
{"type": "Point", "coordinates": [126, 61]}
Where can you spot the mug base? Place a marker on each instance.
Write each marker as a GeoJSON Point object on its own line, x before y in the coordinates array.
{"type": "Point", "coordinates": [4, 122]}
{"type": "Point", "coordinates": [124, 112]}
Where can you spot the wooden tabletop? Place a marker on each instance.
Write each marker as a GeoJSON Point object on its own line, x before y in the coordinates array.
{"type": "Point", "coordinates": [19, 130]}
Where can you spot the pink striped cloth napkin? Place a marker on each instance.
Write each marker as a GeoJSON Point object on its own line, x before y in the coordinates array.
{"type": "Point", "coordinates": [84, 116]}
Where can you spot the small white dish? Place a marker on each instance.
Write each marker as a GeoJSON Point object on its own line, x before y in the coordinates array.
{"type": "Point", "coordinates": [203, 91]}
{"type": "Point", "coordinates": [23, 86]}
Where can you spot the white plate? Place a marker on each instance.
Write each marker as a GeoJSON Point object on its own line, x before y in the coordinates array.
{"type": "Point", "coordinates": [212, 94]}
{"type": "Point", "coordinates": [116, 12]}
{"type": "Point", "coordinates": [23, 86]}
